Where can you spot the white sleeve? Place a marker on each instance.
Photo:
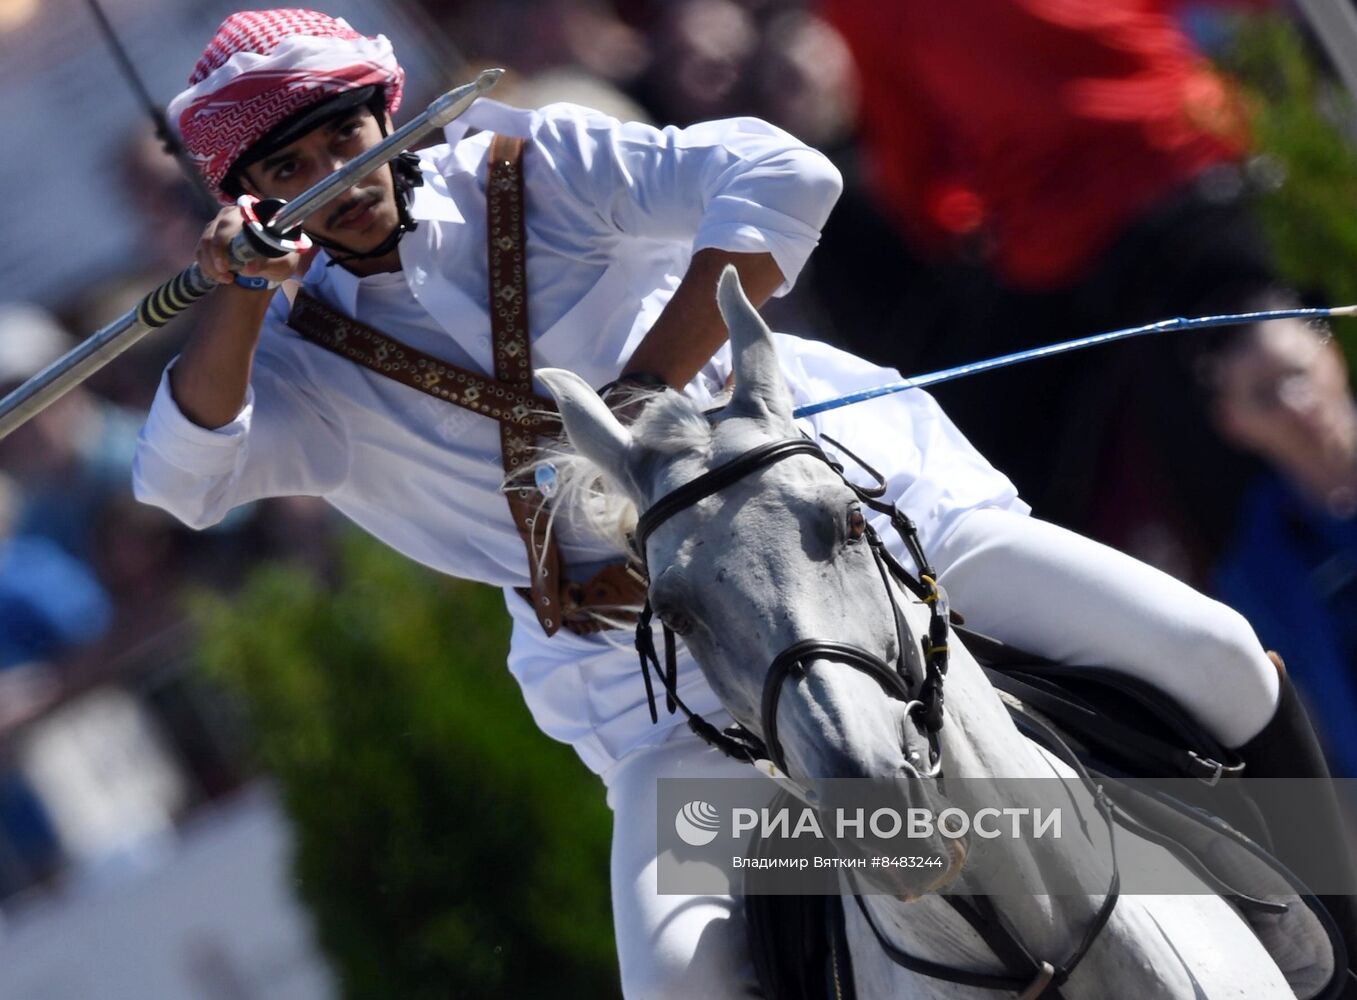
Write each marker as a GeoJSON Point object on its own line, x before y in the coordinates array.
{"type": "Point", "coordinates": [739, 184]}
{"type": "Point", "coordinates": [285, 441]}
{"type": "Point", "coordinates": [932, 471]}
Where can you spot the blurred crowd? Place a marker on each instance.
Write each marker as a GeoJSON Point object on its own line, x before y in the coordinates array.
{"type": "Point", "coordinates": [1017, 172]}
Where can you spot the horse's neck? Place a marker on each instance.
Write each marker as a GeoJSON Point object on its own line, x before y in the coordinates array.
{"type": "Point", "coordinates": [1152, 946]}
{"type": "Point", "coordinates": [979, 739]}
{"type": "Point", "coordinates": [980, 743]}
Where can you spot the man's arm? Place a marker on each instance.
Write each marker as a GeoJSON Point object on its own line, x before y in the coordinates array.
{"type": "Point", "coordinates": [738, 191]}
{"type": "Point", "coordinates": [210, 379]}
{"type": "Point", "coordinates": [212, 375]}
{"type": "Point", "coordinates": [236, 418]}
{"type": "Point", "coordinates": [690, 329]}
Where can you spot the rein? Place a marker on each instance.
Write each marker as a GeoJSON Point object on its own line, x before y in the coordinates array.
{"type": "Point", "coordinates": [916, 678]}
{"type": "Point", "coordinates": [979, 912]}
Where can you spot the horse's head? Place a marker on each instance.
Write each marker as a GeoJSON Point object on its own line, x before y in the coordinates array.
{"type": "Point", "coordinates": [769, 559]}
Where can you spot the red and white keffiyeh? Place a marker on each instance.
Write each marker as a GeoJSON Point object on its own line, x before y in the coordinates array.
{"type": "Point", "coordinates": [262, 67]}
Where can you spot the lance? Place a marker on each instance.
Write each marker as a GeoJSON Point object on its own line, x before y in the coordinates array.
{"type": "Point", "coordinates": [546, 477]}
{"type": "Point", "coordinates": [202, 197]}
{"type": "Point", "coordinates": [262, 237]}
{"type": "Point", "coordinates": [1064, 347]}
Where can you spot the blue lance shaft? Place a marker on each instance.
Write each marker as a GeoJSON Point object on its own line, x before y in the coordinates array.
{"type": "Point", "coordinates": [1064, 347]}
{"type": "Point", "coordinates": [188, 286]}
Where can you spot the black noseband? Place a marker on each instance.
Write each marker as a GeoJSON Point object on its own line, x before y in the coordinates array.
{"type": "Point", "coordinates": [798, 657]}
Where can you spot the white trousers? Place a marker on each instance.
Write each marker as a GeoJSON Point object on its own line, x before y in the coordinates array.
{"type": "Point", "coordinates": [1029, 583]}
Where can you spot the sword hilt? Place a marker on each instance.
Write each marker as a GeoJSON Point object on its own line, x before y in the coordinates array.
{"type": "Point", "coordinates": [162, 304]}
{"type": "Point", "coordinates": [259, 239]}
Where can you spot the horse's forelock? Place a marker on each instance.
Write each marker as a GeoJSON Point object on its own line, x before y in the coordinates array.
{"type": "Point", "coordinates": [672, 423]}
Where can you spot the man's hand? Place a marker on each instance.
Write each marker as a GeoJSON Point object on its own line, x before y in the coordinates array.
{"type": "Point", "coordinates": [213, 255]}
{"type": "Point", "coordinates": [210, 380]}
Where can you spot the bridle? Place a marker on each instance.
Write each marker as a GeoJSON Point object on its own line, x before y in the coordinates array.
{"type": "Point", "coordinates": [916, 678]}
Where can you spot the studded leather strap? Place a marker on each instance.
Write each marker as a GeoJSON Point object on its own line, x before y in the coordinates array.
{"type": "Point", "coordinates": [513, 366]}
{"type": "Point", "coordinates": [373, 349]}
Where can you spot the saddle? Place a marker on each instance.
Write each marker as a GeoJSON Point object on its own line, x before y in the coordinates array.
{"type": "Point", "coordinates": [1115, 727]}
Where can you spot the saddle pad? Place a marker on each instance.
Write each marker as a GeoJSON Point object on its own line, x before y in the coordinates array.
{"type": "Point", "coordinates": [1302, 939]}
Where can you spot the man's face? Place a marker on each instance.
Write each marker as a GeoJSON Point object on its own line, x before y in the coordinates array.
{"type": "Point", "coordinates": [1283, 394]}
{"type": "Point", "coordinates": [362, 217]}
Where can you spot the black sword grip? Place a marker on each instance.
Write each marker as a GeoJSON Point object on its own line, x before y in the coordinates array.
{"type": "Point", "coordinates": [166, 302]}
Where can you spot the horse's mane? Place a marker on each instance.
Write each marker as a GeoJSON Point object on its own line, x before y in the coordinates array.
{"type": "Point", "coordinates": [593, 499]}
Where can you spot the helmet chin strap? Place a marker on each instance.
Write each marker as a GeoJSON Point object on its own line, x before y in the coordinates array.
{"type": "Point", "coordinates": [406, 176]}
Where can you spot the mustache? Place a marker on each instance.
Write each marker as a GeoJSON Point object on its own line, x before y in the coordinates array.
{"type": "Point", "coordinates": [348, 205]}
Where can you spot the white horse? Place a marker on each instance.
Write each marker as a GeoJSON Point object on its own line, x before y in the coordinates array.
{"type": "Point", "coordinates": [773, 557]}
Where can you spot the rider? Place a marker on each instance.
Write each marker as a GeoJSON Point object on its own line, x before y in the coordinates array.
{"type": "Point", "coordinates": [627, 228]}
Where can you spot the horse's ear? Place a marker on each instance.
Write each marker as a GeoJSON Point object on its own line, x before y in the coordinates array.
{"type": "Point", "coordinates": [590, 425]}
{"type": "Point", "coordinates": [760, 388]}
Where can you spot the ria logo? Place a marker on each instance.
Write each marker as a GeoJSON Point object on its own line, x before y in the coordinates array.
{"type": "Point", "coordinates": [697, 823]}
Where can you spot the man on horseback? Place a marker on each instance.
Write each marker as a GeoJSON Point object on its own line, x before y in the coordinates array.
{"type": "Point", "coordinates": [399, 387]}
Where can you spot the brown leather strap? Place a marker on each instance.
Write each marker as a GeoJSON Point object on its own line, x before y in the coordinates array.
{"type": "Point", "coordinates": [507, 254]}
{"type": "Point", "coordinates": [373, 349]}
{"type": "Point", "coordinates": [556, 601]}
{"type": "Point", "coordinates": [610, 598]}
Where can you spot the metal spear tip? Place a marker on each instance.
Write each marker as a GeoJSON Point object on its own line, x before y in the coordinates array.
{"type": "Point", "coordinates": [487, 78]}
{"type": "Point", "coordinates": [444, 109]}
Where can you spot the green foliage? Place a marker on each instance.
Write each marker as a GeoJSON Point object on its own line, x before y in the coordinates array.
{"type": "Point", "coordinates": [446, 847]}
{"type": "Point", "coordinates": [1297, 114]}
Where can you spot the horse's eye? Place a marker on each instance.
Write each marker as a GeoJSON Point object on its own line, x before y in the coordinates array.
{"type": "Point", "coordinates": [857, 524]}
